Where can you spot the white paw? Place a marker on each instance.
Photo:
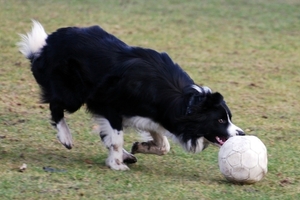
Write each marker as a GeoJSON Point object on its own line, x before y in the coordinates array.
{"type": "Point", "coordinates": [63, 134]}
{"type": "Point", "coordinates": [67, 142]}
{"type": "Point", "coordinates": [166, 146]}
{"type": "Point", "coordinates": [116, 164]}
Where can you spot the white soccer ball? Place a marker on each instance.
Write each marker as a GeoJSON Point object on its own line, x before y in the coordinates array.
{"type": "Point", "coordinates": [243, 159]}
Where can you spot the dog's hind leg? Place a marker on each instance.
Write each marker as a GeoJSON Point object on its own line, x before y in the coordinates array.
{"type": "Point", "coordinates": [113, 140]}
{"type": "Point", "coordinates": [63, 132]}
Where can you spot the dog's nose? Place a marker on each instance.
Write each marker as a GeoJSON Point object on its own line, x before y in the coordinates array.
{"type": "Point", "coordinates": [240, 132]}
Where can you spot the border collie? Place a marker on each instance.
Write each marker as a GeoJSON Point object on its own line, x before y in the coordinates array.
{"type": "Point", "coordinates": [124, 86]}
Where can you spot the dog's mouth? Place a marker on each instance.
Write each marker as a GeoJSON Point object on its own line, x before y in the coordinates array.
{"type": "Point", "coordinates": [220, 140]}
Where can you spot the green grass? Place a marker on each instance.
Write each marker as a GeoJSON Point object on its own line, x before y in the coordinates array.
{"type": "Point", "coordinates": [248, 50]}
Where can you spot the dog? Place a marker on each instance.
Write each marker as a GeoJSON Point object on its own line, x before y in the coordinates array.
{"type": "Point", "coordinates": [124, 86]}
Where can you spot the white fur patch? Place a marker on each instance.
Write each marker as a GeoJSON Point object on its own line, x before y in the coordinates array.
{"type": "Point", "coordinates": [166, 145]}
{"type": "Point", "coordinates": [201, 144]}
{"type": "Point", "coordinates": [150, 130]}
{"type": "Point", "coordinates": [111, 135]}
{"type": "Point", "coordinates": [113, 140]}
{"type": "Point", "coordinates": [232, 129]}
{"type": "Point", "coordinates": [204, 89]}
{"type": "Point", "coordinates": [63, 133]}
{"type": "Point", "coordinates": [33, 41]}
{"type": "Point", "coordinates": [115, 155]}
{"type": "Point", "coordinates": [145, 126]}
{"type": "Point", "coordinates": [142, 123]}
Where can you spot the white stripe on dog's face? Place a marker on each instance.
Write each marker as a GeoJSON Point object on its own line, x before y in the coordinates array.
{"type": "Point", "coordinates": [232, 129]}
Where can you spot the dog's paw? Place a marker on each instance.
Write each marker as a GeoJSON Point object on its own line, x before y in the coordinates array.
{"type": "Point", "coordinates": [135, 148]}
{"type": "Point", "coordinates": [128, 157]}
{"type": "Point", "coordinates": [67, 142]}
{"type": "Point", "coordinates": [151, 147]}
{"type": "Point", "coordinates": [63, 134]}
{"type": "Point", "coordinates": [116, 164]}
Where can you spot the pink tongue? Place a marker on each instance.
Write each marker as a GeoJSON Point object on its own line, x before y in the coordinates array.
{"type": "Point", "coordinates": [221, 142]}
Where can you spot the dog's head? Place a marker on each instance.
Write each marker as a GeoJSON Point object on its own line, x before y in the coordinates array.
{"type": "Point", "coordinates": [207, 118]}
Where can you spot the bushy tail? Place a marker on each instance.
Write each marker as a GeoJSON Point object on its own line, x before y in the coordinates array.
{"type": "Point", "coordinates": [32, 42]}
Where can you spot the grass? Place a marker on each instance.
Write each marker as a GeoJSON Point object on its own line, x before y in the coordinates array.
{"type": "Point", "coordinates": [248, 50]}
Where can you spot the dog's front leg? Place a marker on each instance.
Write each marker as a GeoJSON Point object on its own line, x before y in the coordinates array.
{"type": "Point", "coordinates": [159, 145]}
{"type": "Point", "coordinates": [113, 140]}
{"type": "Point", "coordinates": [128, 158]}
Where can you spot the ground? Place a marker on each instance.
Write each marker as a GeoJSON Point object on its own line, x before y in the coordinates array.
{"type": "Point", "coordinates": [247, 50]}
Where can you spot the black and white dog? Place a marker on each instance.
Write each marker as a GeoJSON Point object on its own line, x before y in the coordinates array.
{"type": "Point", "coordinates": [124, 86]}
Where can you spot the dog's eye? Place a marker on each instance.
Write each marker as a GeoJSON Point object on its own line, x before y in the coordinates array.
{"type": "Point", "coordinates": [221, 121]}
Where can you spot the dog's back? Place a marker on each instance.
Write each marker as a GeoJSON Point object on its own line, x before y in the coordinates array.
{"type": "Point", "coordinates": [89, 65]}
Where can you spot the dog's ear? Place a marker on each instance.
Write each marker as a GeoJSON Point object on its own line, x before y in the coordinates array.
{"type": "Point", "coordinates": [202, 101]}
{"type": "Point", "coordinates": [194, 100]}
{"type": "Point", "coordinates": [217, 98]}
{"type": "Point", "coordinates": [213, 100]}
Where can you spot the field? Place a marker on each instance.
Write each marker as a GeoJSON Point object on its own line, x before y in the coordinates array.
{"type": "Point", "coordinates": [249, 50]}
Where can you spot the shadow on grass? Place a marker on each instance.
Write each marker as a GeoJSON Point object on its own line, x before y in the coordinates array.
{"type": "Point", "coordinates": [59, 158]}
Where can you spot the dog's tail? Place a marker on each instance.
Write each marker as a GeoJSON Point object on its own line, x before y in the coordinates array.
{"type": "Point", "coordinates": [32, 43]}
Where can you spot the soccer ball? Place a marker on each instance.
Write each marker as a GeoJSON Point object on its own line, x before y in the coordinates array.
{"type": "Point", "coordinates": [243, 159]}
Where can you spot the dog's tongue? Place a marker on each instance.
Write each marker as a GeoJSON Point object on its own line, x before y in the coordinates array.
{"type": "Point", "coordinates": [221, 140]}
